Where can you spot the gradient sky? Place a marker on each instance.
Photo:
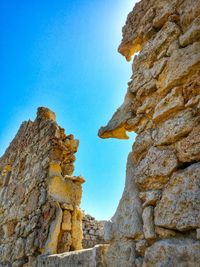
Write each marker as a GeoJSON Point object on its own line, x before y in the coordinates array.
{"type": "Point", "coordinates": [62, 54]}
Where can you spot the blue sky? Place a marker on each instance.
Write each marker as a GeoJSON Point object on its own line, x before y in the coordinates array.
{"type": "Point", "coordinates": [63, 55]}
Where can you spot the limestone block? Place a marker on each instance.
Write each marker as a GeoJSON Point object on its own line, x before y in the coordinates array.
{"type": "Point", "coordinates": [169, 105]}
{"type": "Point", "coordinates": [66, 221]}
{"type": "Point", "coordinates": [179, 207]}
{"type": "Point", "coordinates": [87, 257]}
{"type": "Point", "coordinates": [158, 67]}
{"type": "Point", "coordinates": [77, 233]}
{"type": "Point", "coordinates": [164, 233]}
{"type": "Point", "coordinates": [173, 252]}
{"type": "Point", "coordinates": [188, 149]}
{"type": "Point", "coordinates": [64, 190]}
{"type": "Point", "coordinates": [121, 253]}
{"type": "Point", "coordinates": [148, 223]}
{"type": "Point", "coordinates": [150, 197]}
{"type": "Point", "coordinates": [180, 65]}
{"type": "Point", "coordinates": [175, 128]}
{"type": "Point", "coordinates": [192, 34]}
{"type": "Point", "coordinates": [108, 231]}
{"type": "Point", "coordinates": [154, 170]}
{"type": "Point", "coordinates": [115, 127]}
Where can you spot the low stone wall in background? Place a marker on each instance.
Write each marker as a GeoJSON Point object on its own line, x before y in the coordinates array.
{"type": "Point", "coordinates": [92, 231]}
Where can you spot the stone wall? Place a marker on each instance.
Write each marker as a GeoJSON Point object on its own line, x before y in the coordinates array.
{"type": "Point", "coordinates": [157, 222]}
{"type": "Point", "coordinates": [92, 231]}
{"type": "Point", "coordinates": [39, 197]}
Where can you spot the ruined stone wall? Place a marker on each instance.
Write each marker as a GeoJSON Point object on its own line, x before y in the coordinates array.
{"type": "Point", "coordinates": [157, 222]}
{"type": "Point", "coordinates": [92, 231]}
{"type": "Point", "coordinates": [39, 197]}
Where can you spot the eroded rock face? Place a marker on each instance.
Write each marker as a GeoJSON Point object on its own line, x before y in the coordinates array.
{"type": "Point", "coordinates": [39, 197]}
{"type": "Point", "coordinates": [159, 212]}
{"type": "Point", "coordinates": [173, 252]}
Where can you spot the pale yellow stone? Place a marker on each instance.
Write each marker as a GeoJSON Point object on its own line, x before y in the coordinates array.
{"type": "Point", "coordinates": [77, 233]}
{"type": "Point", "coordinates": [54, 231]}
{"type": "Point", "coordinates": [66, 221]}
{"type": "Point", "coordinates": [64, 191]}
{"type": "Point", "coordinates": [54, 169]}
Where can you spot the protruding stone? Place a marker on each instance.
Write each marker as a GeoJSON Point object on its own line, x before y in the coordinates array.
{"type": "Point", "coordinates": [148, 223]}
{"type": "Point", "coordinates": [150, 197]}
{"type": "Point", "coordinates": [164, 233]}
{"type": "Point", "coordinates": [169, 105]}
{"type": "Point", "coordinates": [46, 113]}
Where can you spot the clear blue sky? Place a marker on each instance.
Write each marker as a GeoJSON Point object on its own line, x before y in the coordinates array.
{"type": "Point", "coordinates": [62, 54]}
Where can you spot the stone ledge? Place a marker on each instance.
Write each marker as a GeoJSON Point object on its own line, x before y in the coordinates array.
{"type": "Point", "coordinates": [83, 258]}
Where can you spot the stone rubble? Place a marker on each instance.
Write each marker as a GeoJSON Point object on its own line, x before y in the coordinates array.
{"type": "Point", "coordinates": [157, 222]}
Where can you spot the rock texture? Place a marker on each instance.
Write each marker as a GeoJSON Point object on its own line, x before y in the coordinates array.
{"type": "Point", "coordinates": [93, 257]}
{"type": "Point", "coordinates": [157, 222]}
{"type": "Point", "coordinates": [92, 231]}
{"type": "Point", "coordinates": [39, 197]}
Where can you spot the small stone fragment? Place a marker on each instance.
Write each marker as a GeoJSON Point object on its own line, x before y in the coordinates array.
{"type": "Point", "coordinates": [148, 223]}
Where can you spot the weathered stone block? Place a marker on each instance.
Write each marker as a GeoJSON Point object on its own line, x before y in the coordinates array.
{"type": "Point", "coordinates": [173, 252]}
{"type": "Point", "coordinates": [154, 170]}
{"type": "Point", "coordinates": [179, 207]}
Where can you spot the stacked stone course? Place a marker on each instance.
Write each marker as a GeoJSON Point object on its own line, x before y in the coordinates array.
{"type": "Point", "coordinates": [157, 221]}
{"type": "Point", "coordinates": [92, 231]}
{"type": "Point", "coordinates": [39, 197]}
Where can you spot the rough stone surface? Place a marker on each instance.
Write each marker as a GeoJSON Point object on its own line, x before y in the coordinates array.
{"type": "Point", "coordinates": [121, 253]}
{"type": "Point", "coordinates": [38, 195]}
{"type": "Point", "coordinates": [92, 231]}
{"type": "Point", "coordinates": [179, 207]}
{"type": "Point", "coordinates": [83, 258]}
{"type": "Point", "coordinates": [173, 252]}
{"type": "Point", "coordinates": [162, 105]}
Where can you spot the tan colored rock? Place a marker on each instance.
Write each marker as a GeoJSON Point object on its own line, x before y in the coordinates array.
{"type": "Point", "coordinates": [141, 246]}
{"type": "Point", "coordinates": [192, 34]}
{"type": "Point", "coordinates": [179, 207]}
{"type": "Point", "coordinates": [164, 233]}
{"type": "Point", "coordinates": [173, 252]}
{"type": "Point", "coordinates": [169, 105]}
{"type": "Point", "coordinates": [150, 198]}
{"type": "Point", "coordinates": [77, 233]}
{"type": "Point", "coordinates": [141, 145]}
{"type": "Point", "coordinates": [34, 194]}
{"type": "Point", "coordinates": [175, 128]}
{"type": "Point", "coordinates": [148, 223]}
{"type": "Point", "coordinates": [116, 126]}
{"type": "Point", "coordinates": [154, 170]}
{"type": "Point", "coordinates": [181, 64]}
{"type": "Point", "coordinates": [66, 221]}
{"type": "Point", "coordinates": [121, 253]}
{"type": "Point", "coordinates": [164, 110]}
{"type": "Point", "coordinates": [188, 149]}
